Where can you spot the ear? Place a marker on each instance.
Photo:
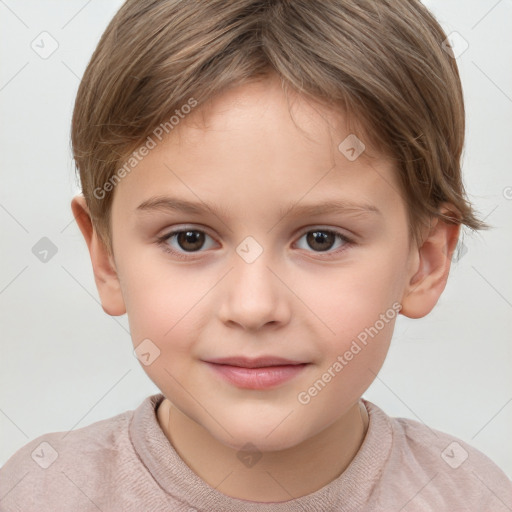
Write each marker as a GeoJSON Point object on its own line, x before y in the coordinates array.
{"type": "Point", "coordinates": [103, 264]}
{"type": "Point", "coordinates": [430, 267]}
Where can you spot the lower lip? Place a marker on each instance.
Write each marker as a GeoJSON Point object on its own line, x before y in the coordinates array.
{"type": "Point", "coordinates": [257, 378]}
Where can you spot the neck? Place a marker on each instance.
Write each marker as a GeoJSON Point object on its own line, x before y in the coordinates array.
{"type": "Point", "coordinates": [279, 475]}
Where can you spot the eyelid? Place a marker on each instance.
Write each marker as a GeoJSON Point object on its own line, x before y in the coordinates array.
{"type": "Point", "coordinates": [298, 233]}
{"type": "Point", "coordinates": [162, 241]}
{"type": "Point", "coordinates": [319, 227]}
{"type": "Point", "coordinates": [348, 242]}
{"type": "Point", "coordinates": [185, 227]}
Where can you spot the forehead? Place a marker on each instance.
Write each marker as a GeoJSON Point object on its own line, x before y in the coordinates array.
{"type": "Point", "coordinates": [271, 108]}
{"type": "Point", "coordinates": [254, 143]}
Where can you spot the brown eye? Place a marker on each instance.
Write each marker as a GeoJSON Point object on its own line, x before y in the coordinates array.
{"type": "Point", "coordinates": [321, 240]}
{"type": "Point", "coordinates": [184, 242]}
{"type": "Point", "coordinates": [190, 240]}
{"type": "Point", "coordinates": [325, 241]}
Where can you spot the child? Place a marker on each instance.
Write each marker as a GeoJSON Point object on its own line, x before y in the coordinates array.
{"type": "Point", "coordinates": [310, 154]}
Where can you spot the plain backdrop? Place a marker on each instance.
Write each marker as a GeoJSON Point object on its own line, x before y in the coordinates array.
{"type": "Point", "coordinates": [64, 363]}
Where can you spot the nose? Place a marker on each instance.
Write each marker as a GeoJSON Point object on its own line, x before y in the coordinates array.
{"type": "Point", "coordinates": [254, 295]}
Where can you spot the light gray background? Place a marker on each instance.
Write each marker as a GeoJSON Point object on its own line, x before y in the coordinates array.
{"type": "Point", "coordinates": [64, 363]}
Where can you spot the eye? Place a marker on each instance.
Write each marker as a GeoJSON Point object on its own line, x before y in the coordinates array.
{"type": "Point", "coordinates": [183, 241]}
{"type": "Point", "coordinates": [322, 240]}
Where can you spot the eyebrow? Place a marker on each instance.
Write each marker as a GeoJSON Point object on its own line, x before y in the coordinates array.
{"type": "Point", "coordinates": [171, 204]}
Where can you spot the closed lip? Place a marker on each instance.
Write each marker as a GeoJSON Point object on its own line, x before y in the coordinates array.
{"type": "Point", "coordinates": [259, 362]}
{"type": "Point", "coordinates": [257, 373]}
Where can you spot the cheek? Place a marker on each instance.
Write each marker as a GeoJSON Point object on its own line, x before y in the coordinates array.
{"type": "Point", "coordinates": [360, 296]}
{"type": "Point", "coordinates": [351, 357]}
{"type": "Point", "coordinates": [163, 305]}
{"type": "Point", "coordinates": [358, 306]}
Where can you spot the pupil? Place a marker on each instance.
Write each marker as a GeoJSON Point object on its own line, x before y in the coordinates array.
{"type": "Point", "coordinates": [320, 240]}
{"type": "Point", "coordinates": [190, 237]}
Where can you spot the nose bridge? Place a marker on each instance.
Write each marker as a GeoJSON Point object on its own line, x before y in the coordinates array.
{"type": "Point", "coordinates": [254, 295]}
{"type": "Point", "coordinates": [252, 277]}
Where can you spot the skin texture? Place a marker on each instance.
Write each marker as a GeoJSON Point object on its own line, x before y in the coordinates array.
{"type": "Point", "coordinates": [254, 152]}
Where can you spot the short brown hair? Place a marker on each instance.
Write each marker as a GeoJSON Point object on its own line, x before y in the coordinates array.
{"type": "Point", "coordinates": [382, 62]}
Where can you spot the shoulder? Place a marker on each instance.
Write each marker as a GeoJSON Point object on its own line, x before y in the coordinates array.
{"type": "Point", "coordinates": [62, 470]}
{"type": "Point", "coordinates": [436, 467]}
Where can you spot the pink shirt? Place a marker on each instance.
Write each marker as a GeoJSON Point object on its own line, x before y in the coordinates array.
{"type": "Point", "coordinates": [126, 463]}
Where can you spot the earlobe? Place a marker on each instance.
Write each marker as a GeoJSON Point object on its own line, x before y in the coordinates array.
{"type": "Point", "coordinates": [105, 274]}
{"type": "Point", "coordinates": [429, 274]}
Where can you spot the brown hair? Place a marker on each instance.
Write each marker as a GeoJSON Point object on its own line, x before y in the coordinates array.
{"type": "Point", "coordinates": [382, 62]}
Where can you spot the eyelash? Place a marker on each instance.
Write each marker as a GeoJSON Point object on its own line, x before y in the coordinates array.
{"type": "Point", "coordinates": [162, 242]}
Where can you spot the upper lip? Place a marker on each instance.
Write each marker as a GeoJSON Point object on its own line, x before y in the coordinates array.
{"type": "Point", "coordinates": [259, 362]}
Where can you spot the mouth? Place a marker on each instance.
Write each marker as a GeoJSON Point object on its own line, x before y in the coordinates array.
{"type": "Point", "coordinates": [259, 373]}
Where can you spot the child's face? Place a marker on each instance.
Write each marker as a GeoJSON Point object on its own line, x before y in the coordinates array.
{"type": "Point", "coordinates": [223, 298]}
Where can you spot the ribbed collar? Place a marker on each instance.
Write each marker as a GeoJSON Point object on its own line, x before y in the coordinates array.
{"type": "Point", "coordinates": [349, 492]}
